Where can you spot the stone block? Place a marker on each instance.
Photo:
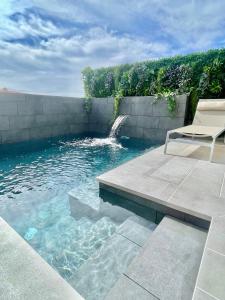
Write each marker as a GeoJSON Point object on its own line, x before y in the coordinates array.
{"type": "Point", "coordinates": [21, 122]}
{"type": "Point", "coordinates": [147, 122]}
{"type": "Point", "coordinates": [32, 105]}
{"type": "Point", "coordinates": [160, 109]}
{"type": "Point", "coordinates": [78, 128]}
{"type": "Point", "coordinates": [181, 168]}
{"type": "Point", "coordinates": [4, 123]}
{"type": "Point", "coordinates": [14, 135]}
{"type": "Point", "coordinates": [126, 289]}
{"type": "Point", "coordinates": [141, 108]}
{"type": "Point", "coordinates": [40, 132]}
{"type": "Point", "coordinates": [201, 295]}
{"type": "Point", "coordinates": [158, 135]}
{"type": "Point", "coordinates": [168, 265]}
{"type": "Point", "coordinates": [52, 107]}
{"type": "Point", "coordinates": [211, 277]}
{"type": "Point", "coordinates": [8, 108]}
{"type": "Point", "coordinates": [136, 230]}
{"type": "Point", "coordinates": [216, 238]}
{"type": "Point", "coordinates": [170, 122]}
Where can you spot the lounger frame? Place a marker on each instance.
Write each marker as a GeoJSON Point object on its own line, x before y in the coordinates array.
{"type": "Point", "coordinates": [193, 141]}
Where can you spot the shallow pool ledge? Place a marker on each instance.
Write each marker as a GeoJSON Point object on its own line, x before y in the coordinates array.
{"type": "Point", "coordinates": [25, 275]}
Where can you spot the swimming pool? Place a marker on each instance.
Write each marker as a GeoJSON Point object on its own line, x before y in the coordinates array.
{"type": "Point", "coordinates": [35, 178]}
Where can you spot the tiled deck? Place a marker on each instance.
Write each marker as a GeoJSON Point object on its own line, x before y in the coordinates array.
{"type": "Point", "coordinates": [186, 188]}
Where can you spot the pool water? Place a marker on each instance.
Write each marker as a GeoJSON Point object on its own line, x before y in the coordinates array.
{"type": "Point", "coordinates": [35, 178]}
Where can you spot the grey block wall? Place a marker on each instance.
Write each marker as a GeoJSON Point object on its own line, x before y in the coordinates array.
{"type": "Point", "coordinates": [101, 116]}
{"type": "Point", "coordinates": [146, 120]}
{"type": "Point", "coordinates": [26, 117]}
{"type": "Point", "coordinates": [149, 120]}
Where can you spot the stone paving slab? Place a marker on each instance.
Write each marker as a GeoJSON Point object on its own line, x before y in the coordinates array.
{"type": "Point", "coordinates": [168, 265]}
{"type": "Point", "coordinates": [185, 184]}
{"type": "Point", "coordinates": [201, 295]}
{"type": "Point", "coordinates": [24, 275]}
{"type": "Point", "coordinates": [127, 289]}
{"type": "Point", "coordinates": [134, 229]}
{"type": "Point", "coordinates": [211, 277]}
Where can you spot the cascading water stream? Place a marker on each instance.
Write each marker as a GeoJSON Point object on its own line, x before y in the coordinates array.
{"type": "Point", "coordinates": [116, 125]}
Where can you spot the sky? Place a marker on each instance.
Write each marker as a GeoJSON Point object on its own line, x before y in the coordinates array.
{"type": "Point", "coordinates": [44, 44]}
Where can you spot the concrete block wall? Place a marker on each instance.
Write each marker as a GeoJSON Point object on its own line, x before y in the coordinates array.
{"type": "Point", "coordinates": [26, 117]}
{"type": "Point", "coordinates": [101, 116]}
{"type": "Point", "coordinates": [149, 120]}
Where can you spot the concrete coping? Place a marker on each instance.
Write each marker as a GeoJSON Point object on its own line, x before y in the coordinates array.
{"type": "Point", "coordinates": [25, 275]}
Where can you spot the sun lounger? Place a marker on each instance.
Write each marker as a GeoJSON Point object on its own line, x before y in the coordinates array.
{"type": "Point", "coordinates": [209, 122]}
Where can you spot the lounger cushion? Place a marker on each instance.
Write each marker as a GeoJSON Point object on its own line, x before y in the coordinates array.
{"type": "Point", "coordinates": [211, 105]}
{"type": "Point", "coordinates": [199, 130]}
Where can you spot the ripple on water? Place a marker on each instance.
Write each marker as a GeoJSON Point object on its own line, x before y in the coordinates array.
{"type": "Point", "coordinates": [33, 196]}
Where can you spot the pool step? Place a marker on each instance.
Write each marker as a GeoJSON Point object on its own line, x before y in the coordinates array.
{"type": "Point", "coordinates": [79, 244]}
{"type": "Point", "coordinates": [100, 272]}
{"type": "Point", "coordinates": [167, 267]}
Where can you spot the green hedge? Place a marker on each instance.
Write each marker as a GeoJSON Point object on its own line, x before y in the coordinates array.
{"type": "Point", "coordinates": [200, 74]}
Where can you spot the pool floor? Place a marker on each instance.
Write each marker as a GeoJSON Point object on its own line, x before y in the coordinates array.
{"type": "Point", "coordinates": [35, 178]}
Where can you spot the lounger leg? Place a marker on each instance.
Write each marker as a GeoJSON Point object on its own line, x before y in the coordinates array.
{"type": "Point", "coordinates": [166, 143]}
{"type": "Point", "coordinates": [212, 149]}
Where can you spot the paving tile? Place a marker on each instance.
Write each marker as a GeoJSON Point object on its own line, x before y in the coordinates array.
{"type": "Point", "coordinates": [198, 203]}
{"type": "Point", "coordinates": [212, 274]}
{"type": "Point", "coordinates": [180, 167]}
{"type": "Point", "coordinates": [93, 280]}
{"type": "Point", "coordinates": [201, 186]}
{"type": "Point", "coordinates": [126, 289]}
{"type": "Point", "coordinates": [169, 263]}
{"type": "Point", "coordinates": [201, 295]}
{"type": "Point", "coordinates": [137, 230]}
{"type": "Point", "coordinates": [222, 192]}
{"type": "Point", "coordinates": [216, 237]}
{"type": "Point", "coordinates": [209, 172]}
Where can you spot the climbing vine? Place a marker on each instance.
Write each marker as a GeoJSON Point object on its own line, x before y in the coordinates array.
{"type": "Point", "coordinates": [170, 98]}
{"type": "Point", "coordinates": [117, 101]}
{"type": "Point", "coordinates": [88, 105]}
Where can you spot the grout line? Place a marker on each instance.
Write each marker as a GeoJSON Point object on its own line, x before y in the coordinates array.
{"type": "Point", "coordinates": [223, 182]}
{"type": "Point", "coordinates": [201, 263]}
{"type": "Point", "coordinates": [182, 182]}
{"type": "Point", "coordinates": [217, 252]}
{"type": "Point", "coordinates": [129, 239]}
{"type": "Point", "coordinates": [141, 286]}
{"type": "Point", "coordinates": [214, 297]}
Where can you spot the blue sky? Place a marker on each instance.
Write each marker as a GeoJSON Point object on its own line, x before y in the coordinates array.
{"type": "Point", "coordinates": [44, 45]}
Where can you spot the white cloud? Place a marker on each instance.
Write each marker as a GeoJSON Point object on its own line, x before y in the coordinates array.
{"type": "Point", "coordinates": [103, 34]}
{"type": "Point", "coordinates": [63, 59]}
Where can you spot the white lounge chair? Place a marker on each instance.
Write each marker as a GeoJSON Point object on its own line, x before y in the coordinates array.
{"type": "Point", "coordinates": [209, 122]}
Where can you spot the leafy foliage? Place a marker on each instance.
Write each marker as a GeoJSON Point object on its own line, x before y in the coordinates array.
{"type": "Point", "coordinates": [200, 74]}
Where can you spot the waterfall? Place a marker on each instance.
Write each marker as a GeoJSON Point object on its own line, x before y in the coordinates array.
{"type": "Point", "coordinates": [116, 125]}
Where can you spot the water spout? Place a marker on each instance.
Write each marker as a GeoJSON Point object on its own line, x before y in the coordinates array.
{"type": "Point", "coordinates": [116, 125]}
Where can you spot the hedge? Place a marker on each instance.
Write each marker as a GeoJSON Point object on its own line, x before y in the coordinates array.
{"type": "Point", "coordinates": [198, 74]}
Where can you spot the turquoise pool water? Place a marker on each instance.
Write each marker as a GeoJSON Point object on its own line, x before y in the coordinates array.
{"type": "Point", "coordinates": [35, 178]}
